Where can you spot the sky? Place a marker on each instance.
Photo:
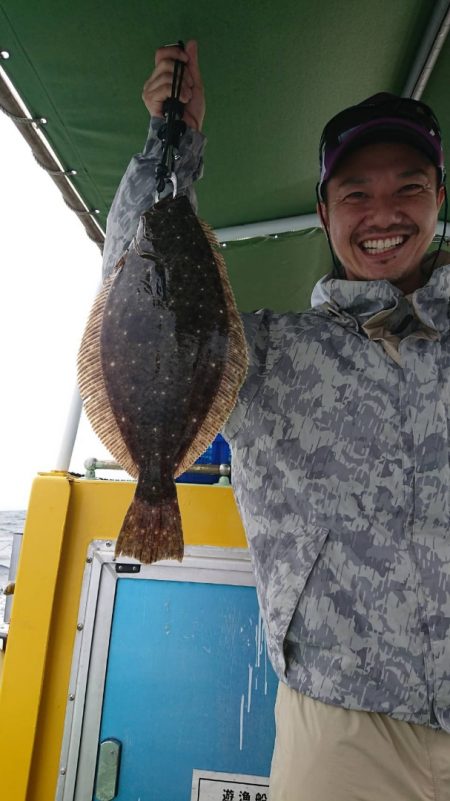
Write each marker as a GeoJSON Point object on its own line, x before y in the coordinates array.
{"type": "Point", "coordinates": [50, 272]}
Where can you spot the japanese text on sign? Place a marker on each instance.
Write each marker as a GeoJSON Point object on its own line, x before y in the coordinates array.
{"type": "Point", "coordinates": [211, 786]}
{"type": "Point", "coordinates": [244, 795]}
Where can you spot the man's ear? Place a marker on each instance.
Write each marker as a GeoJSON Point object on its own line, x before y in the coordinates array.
{"type": "Point", "coordinates": [440, 196]}
{"type": "Point", "coordinates": [322, 213]}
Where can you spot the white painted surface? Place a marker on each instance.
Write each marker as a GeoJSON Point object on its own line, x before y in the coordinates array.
{"type": "Point", "coordinates": [212, 786]}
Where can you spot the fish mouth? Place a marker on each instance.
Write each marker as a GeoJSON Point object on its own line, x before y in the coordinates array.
{"type": "Point", "coordinates": [376, 247]}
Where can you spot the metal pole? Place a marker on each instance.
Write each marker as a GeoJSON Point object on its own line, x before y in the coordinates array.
{"type": "Point", "coordinates": [431, 45]}
{"type": "Point", "coordinates": [273, 228]}
{"type": "Point", "coordinates": [72, 423]}
{"type": "Point", "coordinates": [70, 432]}
{"type": "Point", "coordinates": [268, 227]}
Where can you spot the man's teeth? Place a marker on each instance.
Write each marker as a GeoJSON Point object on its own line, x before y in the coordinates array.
{"type": "Point", "coordinates": [380, 245]}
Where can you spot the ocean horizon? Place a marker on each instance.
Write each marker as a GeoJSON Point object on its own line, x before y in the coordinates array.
{"type": "Point", "coordinates": [11, 522]}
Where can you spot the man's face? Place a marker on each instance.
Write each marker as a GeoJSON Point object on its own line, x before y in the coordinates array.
{"type": "Point", "coordinates": [381, 213]}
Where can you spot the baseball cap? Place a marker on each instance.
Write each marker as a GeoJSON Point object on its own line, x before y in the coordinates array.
{"type": "Point", "coordinates": [382, 115]}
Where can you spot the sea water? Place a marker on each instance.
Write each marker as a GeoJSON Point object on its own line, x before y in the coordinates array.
{"type": "Point", "coordinates": [11, 522]}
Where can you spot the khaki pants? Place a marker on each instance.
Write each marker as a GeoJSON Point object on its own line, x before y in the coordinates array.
{"type": "Point", "coordinates": [326, 753]}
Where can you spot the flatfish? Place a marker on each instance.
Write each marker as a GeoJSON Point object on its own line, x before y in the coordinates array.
{"type": "Point", "coordinates": [160, 365]}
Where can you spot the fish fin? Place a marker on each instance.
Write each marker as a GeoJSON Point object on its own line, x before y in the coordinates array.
{"type": "Point", "coordinates": [152, 531]}
{"type": "Point", "coordinates": [234, 371]}
{"type": "Point", "coordinates": [92, 384]}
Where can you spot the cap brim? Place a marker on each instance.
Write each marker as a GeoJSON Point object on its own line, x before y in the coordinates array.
{"type": "Point", "coordinates": [378, 134]}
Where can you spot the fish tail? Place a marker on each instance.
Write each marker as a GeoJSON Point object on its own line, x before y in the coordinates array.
{"type": "Point", "coordinates": [152, 531]}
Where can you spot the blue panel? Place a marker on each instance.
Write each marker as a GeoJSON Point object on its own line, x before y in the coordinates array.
{"type": "Point", "coordinates": [188, 686]}
{"type": "Point", "coordinates": [217, 453]}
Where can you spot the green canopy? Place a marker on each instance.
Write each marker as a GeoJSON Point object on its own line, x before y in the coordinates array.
{"type": "Point", "coordinates": [274, 73]}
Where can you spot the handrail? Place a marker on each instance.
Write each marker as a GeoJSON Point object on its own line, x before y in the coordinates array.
{"type": "Point", "coordinates": [222, 470]}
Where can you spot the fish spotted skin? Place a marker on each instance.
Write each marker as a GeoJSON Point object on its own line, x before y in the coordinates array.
{"type": "Point", "coordinates": [173, 357]}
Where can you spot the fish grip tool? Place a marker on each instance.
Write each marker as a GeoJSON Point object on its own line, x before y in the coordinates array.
{"type": "Point", "coordinates": [171, 132]}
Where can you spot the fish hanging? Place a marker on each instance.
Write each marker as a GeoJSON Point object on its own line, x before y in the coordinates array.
{"type": "Point", "coordinates": [160, 365]}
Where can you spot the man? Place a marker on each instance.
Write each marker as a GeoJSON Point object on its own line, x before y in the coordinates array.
{"type": "Point", "coordinates": [341, 458]}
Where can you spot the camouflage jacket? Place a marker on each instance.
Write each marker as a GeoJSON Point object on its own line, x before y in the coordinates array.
{"type": "Point", "coordinates": [341, 473]}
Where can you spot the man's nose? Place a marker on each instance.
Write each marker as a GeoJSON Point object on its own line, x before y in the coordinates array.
{"type": "Point", "coordinates": [385, 211]}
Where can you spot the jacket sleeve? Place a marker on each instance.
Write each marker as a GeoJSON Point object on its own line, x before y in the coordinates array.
{"type": "Point", "coordinates": [136, 191]}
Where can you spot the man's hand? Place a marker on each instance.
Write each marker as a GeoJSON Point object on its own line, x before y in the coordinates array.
{"type": "Point", "coordinates": [159, 85]}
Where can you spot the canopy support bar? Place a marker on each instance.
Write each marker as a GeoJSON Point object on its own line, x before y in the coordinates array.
{"type": "Point", "coordinates": [267, 227]}
{"type": "Point", "coordinates": [432, 43]}
{"type": "Point", "coordinates": [70, 432]}
{"type": "Point", "coordinates": [275, 227]}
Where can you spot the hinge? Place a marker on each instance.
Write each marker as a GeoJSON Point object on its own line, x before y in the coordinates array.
{"type": "Point", "coordinates": [127, 567]}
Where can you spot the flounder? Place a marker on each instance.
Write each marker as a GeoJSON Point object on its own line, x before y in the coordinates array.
{"type": "Point", "coordinates": [160, 365]}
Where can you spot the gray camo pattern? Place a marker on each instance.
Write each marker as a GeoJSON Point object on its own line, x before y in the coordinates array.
{"type": "Point", "coordinates": [136, 191]}
{"type": "Point", "coordinates": [341, 473]}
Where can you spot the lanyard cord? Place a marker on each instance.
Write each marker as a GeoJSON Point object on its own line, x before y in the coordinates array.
{"type": "Point", "coordinates": [171, 132]}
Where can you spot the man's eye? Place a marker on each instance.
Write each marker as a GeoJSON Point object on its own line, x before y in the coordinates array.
{"type": "Point", "coordinates": [353, 197]}
{"type": "Point", "coordinates": [411, 189]}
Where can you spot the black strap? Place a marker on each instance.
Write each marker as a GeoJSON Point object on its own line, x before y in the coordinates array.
{"type": "Point", "coordinates": [173, 129]}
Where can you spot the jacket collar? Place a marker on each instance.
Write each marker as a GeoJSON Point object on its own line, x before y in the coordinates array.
{"type": "Point", "coordinates": [361, 300]}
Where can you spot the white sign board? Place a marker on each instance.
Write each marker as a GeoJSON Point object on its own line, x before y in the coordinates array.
{"type": "Point", "coordinates": [211, 786]}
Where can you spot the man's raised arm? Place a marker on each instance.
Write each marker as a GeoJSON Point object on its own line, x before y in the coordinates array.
{"type": "Point", "coordinates": [136, 191]}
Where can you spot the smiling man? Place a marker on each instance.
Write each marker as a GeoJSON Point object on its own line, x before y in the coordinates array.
{"type": "Point", "coordinates": [381, 213]}
{"type": "Point", "coordinates": [340, 443]}
{"type": "Point", "coordinates": [381, 188]}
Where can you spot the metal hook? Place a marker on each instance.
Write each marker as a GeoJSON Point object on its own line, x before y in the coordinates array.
{"type": "Point", "coordinates": [174, 181]}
